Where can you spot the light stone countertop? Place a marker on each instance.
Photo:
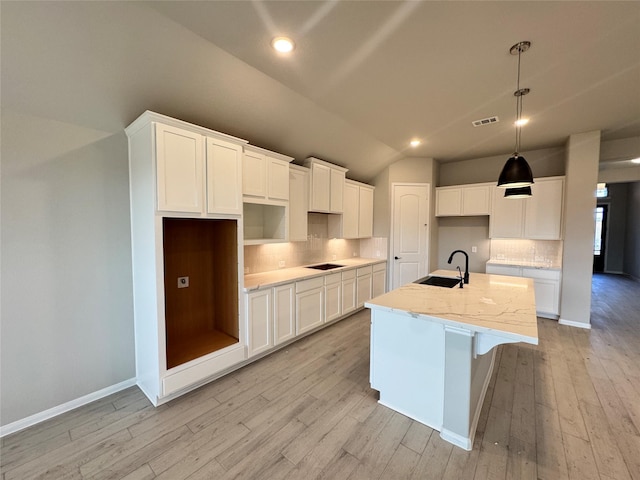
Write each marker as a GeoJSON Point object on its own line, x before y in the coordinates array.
{"type": "Point", "coordinates": [496, 304]}
{"type": "Point", "coordinates": [281, 276]}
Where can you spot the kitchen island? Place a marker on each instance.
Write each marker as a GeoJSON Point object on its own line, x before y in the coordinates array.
{"type": "Point", "coordinates": [432, 348]}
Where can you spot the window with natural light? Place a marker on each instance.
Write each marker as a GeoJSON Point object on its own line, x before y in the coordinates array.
{"type": "Point", "coordinates": [602, 190]}
{"type": "Point", "coordinates": [597, 242]}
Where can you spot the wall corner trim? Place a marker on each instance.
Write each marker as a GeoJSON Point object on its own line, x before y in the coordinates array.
{"type": "Point", "coordinates": [573, 323]}
{"type": "Point", "coordinates": [65, 407]}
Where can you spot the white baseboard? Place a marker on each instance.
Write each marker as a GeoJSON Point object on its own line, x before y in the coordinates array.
{"type": "Point", "coordinates": [572, 323]}
{"type": "Point", "coordinates": [456, 439]}
{"type": "Point", "coordinates": [65, 407]}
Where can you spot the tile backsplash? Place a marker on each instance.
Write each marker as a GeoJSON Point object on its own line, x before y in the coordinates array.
{"type": "Point", "coordinates": [548, 252]}
{"type": "Point", "coordinates": [318, 248]}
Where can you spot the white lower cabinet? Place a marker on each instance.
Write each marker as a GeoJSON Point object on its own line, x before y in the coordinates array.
{"type": "Point", "coordinates": [378, 279]}
{"type": "Point", "coordinates": [546, 284]}
{"type": "Point", "coordinates": [348, 291]}
{"type": "Point", "coordinates": [547, 287]}
{"type": "Point", "coordinates": [260, 320]}
{"type": "Point", "coordinates": [363, 285]}
{"type": "Point", "coordinates": [284, 320]}
{"type": "Point", "coordinates": [332, 297]}
{"type": "Point", "coordinates": [309, 304]}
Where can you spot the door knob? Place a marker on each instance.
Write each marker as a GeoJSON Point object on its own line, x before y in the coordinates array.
{"type": "Point", "coordinates": [397, 258]}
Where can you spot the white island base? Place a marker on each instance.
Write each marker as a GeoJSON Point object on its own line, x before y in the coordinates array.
{"type": "Point", "coordinates": [436, 369]}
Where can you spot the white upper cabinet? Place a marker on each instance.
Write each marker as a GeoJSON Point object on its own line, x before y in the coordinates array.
{"type": "Point", "coordinates": [224, 177]}
{"type": "Point", "coordinates": [298, 203]}
{"type": "Point", "coordinates": [448, 201]}
{"type": "Point", "coordinates": [278, 179]}
{"type": "Point", "coordinates": [507, 216]}
{"type": "Point", "coordinates": [179, 169]}
{"type": "Point", "coordinates": [365, 221]}
{"type": "Point", "coordinates": [543, 211]}
{"type": "Point", "coordinates": [327, 186]}
{"type": "Point", "coordinates": [254, 174]}
{"type": "Point", "coordinates": [336, 190]}
{"type": "Point", "coordinates": [197, 171]}
{"type": "Point", "coordinates": [476, 199]}
{"type": "Point", "coordinates": [463, 200]}
{"type": "Point", "coordinates": [538, 217]}
{"type": "Point", "coordinates": [356, 220]}
{"type": "Point", "coordinates": [265, 175]}
{"type": "Point", "coordinates": [350, 216]}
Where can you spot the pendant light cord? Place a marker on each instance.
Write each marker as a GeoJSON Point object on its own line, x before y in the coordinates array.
{"type": "Point", "coordinates": [518, 105]}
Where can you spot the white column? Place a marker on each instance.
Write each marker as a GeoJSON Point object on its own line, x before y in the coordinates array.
{"type": "Point", "coordinates": [583, 154]}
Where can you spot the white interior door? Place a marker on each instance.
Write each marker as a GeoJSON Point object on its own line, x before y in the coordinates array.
{"type": "Point", "coordinates": [409, 232]}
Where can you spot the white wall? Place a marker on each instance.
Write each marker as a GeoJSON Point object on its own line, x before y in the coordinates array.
{"type": "Point", "coordinates": [583, 153]}
{"type": "Point", "coordinates": [463, 233]}
{"type": "Point", "coordinates": [67, 308]}
{"type": "Point", "coordinates": [546, 162]}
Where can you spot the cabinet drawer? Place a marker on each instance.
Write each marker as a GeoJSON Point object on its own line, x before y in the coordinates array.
{"type": "Point", "coordinates": [379, 267]}
{"type": "Point", "coordinates": [332, 278]}
{"type": "Point", "coordinates": [540, 273]}
{"type": "Point", "coordinates": [310, 284]}
{"type": "Point", "coordinates": [201, 370]}
{"type": "Point", "coordinates": [363, 271]}
{"type": "Point", "coordinates": [349, 274]}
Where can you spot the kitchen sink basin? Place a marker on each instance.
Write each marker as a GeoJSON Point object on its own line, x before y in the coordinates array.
{"type": "Point", "coordinates": [446, 282]}
{"type": "Point", "coordinates": [326, 266]}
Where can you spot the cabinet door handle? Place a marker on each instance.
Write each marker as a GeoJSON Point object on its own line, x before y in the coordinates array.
{"type": "Point", "coordinates": [397, 258]}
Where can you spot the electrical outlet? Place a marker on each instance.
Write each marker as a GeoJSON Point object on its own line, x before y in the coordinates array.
{"type": "Point", "coordinates": [500, 256]}
{"type": "Point", "coordinates": [183, 282]}
{"type": "Point", "coordinates": [474, 249]}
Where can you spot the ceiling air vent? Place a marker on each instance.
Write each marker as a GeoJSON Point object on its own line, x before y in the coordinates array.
{"type": "Point", "coordinates": [485, 121]}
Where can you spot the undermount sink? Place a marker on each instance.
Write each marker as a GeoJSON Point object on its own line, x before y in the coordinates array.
{"type": "Point", "coordinates": [436, 281]}
{"type": "Point", "coordinates": [326, 266]}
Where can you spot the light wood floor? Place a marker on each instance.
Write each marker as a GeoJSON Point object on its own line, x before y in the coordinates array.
{"type": "Point", "coordinates": [568, 408]}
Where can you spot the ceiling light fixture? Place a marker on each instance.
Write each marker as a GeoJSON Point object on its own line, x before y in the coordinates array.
{"type": "Point", "coordinates": [635, 160]}
{"type": "Point", "coordinates": [282, 44]}
{"type": "Point", "coordinates": [415, 143]}
{"type": "Point", "coordinates": [516, 173]}
{"type": "Point", "coordinates": [521, 122]}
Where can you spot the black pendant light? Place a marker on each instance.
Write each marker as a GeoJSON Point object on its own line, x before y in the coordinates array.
{"type": "Point", "coordinates": [516, 173]}
{"type": "Point", "coordinates": [520, 192]}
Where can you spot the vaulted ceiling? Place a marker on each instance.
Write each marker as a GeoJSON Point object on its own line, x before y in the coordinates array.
{"type": "Point", "coordinates": [365, 78]}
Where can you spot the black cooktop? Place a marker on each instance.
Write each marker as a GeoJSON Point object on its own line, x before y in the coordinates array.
{"type": "Point", "coordinates": [326, 266]}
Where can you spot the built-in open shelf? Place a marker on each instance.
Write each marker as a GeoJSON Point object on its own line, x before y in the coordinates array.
{"type": "Point", "coordinates": [265, 223]}
{"type": "Point", "coordinates": [202, 317]}
{"type": "Point", "coordinates": [179, 352]}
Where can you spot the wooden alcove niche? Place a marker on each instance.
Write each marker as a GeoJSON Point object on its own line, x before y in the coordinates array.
{"type": "Point", "coordinates": [203, 317]}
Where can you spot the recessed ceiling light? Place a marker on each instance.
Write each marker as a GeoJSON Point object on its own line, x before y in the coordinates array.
{"type": "Point", "coordinates": [415, 143]}
{"type": "Point", "coordinates": [636, 160]}
{"type": "Point", "coordinates": [521, 122]}
{"type": "Point", "coordinates": [282, 44]}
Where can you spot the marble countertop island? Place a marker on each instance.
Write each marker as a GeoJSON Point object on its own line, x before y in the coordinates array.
{"type": "Point", "coordinates": [488, 303]}
{"type": "Point", "coordinates": [433, 348]}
